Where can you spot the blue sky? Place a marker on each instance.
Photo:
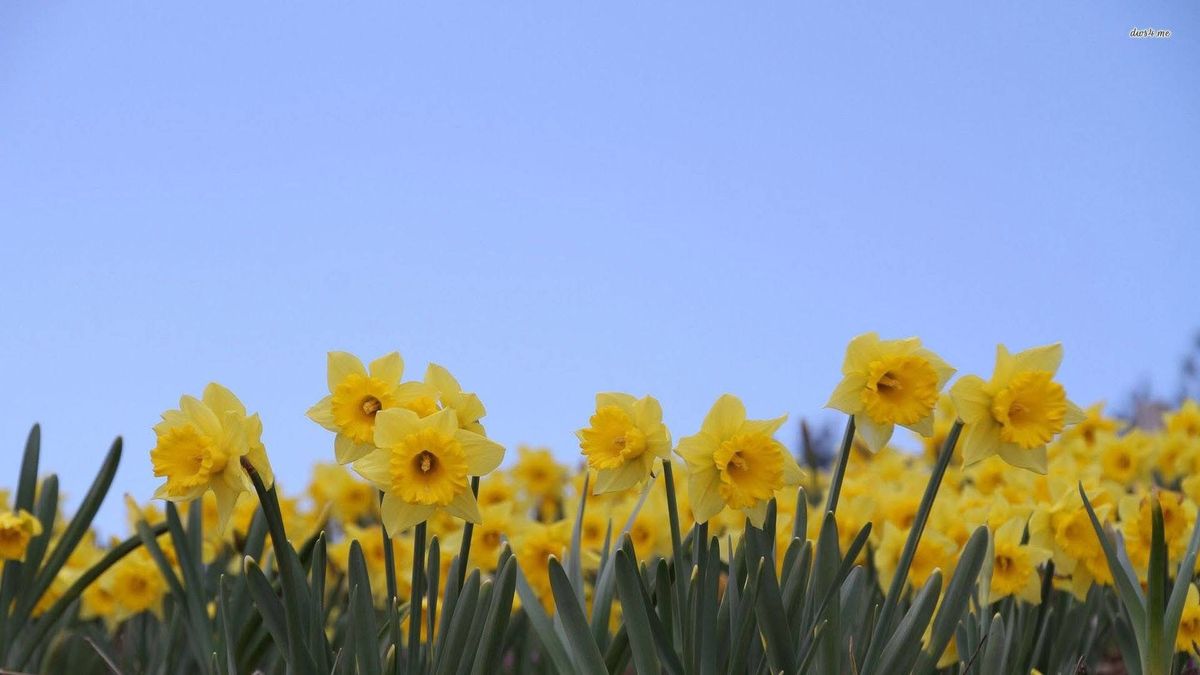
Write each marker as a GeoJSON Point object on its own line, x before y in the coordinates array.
{"type": "Point", "coordinates": [554, 199]}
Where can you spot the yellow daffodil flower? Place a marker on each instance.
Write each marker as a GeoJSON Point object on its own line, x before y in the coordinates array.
{"type": "Point", "coordinates": [201, 445]}
{"type": "Point", "coordinates": [624, 439]}
{"type": "Point", "coordinates": [736, 462]}
{"type": "Point", "coordinates": [889, 382]}
{"type": "Point", "coordinates": [422, 465]}
{"type": "Point", "coordinates": [356, 395]}
{"type": "Point", "coordinates": [16, 529]}
{"type": "Point", "coordinates": [1017, 412]}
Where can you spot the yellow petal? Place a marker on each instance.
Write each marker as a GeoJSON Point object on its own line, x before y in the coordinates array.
{"type": "Point", "coordinates": [622, 478]}
{"type": "Point", "coordinates": [393, 425]}
{"type": "Point", "coordinates": [757, 513]}
{"type": "Point", "coordinates": [703, 494]}
{"type": "Point", "coordinates": [1046, 358]}
{"type": "Point", "coordinates": [322, 413]}
{"type": "Point", "coordinates": [346, 450]}
{"type": "Point", "coordinates": [697, 451]}
{"type": "Point", "coordinates": [725, 418]}
{"type": "Point", "coordinates": [847, 396]}
{"type": "Point", "coordinates": [768, 427]}
{"type": "Point", "coordinates": [971, 400]}
{"type": "Point", "coordinates": [221, 400]}
{"type": "Point", "coordinates": [623, 401]}
{"type": "Point", "coordinates": [226, 499]}
{"type": "Point", "coordinates": [1033, 459]}
{"type": "Point", "coordinates": [389, 368]}
{"type": "Point", "coordinates": [982, 440]}
{"type": "Point", "coordinates": [465, 506]}
{"type": "Point", "coordinates": [875, 435]}
{"type": "Point", "coordinates": [442, 379]}
{"type": "Point", "coordinates": [202, 416]}
{"type": "Point", "coordinates": [860, 352]}
{"type": "Point", "coordinates": [398, 515]}
{"type": "Point", "coordinates": [1074, 415]}
{"type": "Point", "coordinates": [483, 454]}
{"type": "Point", "coordinates": [341, 365]}
{"type": "Point", "coordinates": [375, 468]}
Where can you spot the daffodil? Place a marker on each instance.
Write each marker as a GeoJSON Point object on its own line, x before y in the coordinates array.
{"type": "Point", "coordinates": [1017, 412]}
{"type": "Point", "coordinates": [1015, 565]}
{"type": "Point", "coordinates": [539, 473]}
{"type": "Point", "coordinates": [889, 382]}
{"type": "Point", "coordinates": [356, 395]}
{"type": "Point", "coordinates": [440, 391]}
{"type": "Point", "coordinates": [422, 465]}
{"type": "Point", "coordinates": [1185, 420]}
{"type": "Point", "coordinates": [736, 462]}
{"type": "Point", "coordinates": [16, 529]}
{"type": "Point", "coordinates": [200, 447]}
{"type": "Point", "coordinates": [623, 440]}
{"type": "Point", "coordinates": [1187, 640]}
{"type": "Point", "coordinates": [350, 498]}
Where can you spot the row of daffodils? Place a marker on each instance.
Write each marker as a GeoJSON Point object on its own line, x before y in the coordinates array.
{"type": "Point", "coordinates": [1029, 535]}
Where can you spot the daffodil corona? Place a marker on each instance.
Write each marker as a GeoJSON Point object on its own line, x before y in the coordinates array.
{"type": "Point", "coordinates": [200, 447]}
{"type": "Point", "coordinates": [1017, 412]}
{"type": "Point", "coordinates": [889, 382]}
{"type": "Point", "coordinates": [736, 462]}
{"type": "Point", "coordinates": [623, 440]}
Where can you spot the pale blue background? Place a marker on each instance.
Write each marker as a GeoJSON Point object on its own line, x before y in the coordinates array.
{"type": "Point", "coordinates": [557, 198]}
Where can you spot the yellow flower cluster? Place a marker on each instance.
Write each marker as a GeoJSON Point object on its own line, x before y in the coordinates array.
{"type": "Point", "coordinates": [410, 453]}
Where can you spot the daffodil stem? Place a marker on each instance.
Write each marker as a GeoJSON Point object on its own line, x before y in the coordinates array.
{"type": "Point", "coordinates": [839, 471]}
{"type": "Point", "coordinates": [414, 599]}
{"type": "Point", "coordinates": [389, 559]}
{"type": "Point", "coordinates": [681, 581]}
{"type": "Point", "coordinates": [900, 576]}
{"type": "Point", "coordinates": [464, 548]}
{"type": "Point", "coordinates": [389, 563]}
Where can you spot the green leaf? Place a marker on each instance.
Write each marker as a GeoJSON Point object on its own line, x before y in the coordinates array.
{"type": "Point", "coordinates": [499, 614]}
{"type": "Point", "coordinates": [267, 602]}
{"type": "Point", "coordinates": [543, 626]}
{"type": "Point", "coordinates": [366, 648]}
{"type": "Point", "coordinates": [994, 659]}
{"type": "Point", "coordinates": [902, 649]}
{"type": "Point", "coordinates": [772, 621]}
{"type": "Point", "coordinates": [1183, 579]}
{"type": "Point", "coordinates": [453, 642]}
{"type": "Point", "coordinates": [471, 660]}
{"type": "Point", "coordinates": [1129, 589]}
{"type": "Point", "coordinates": [955, 600]}
{"type": "Point", "coordinates": [226, 629]}
{"type": "Point", "coordinates": [635, 614]}
{"type": "Point", "coordinates": [74, 531]}
{"type": "Point", "coordinates": [1158, 650]}
{"type": "Point", "coordinates": [743, 630]}
{"type": "Point", "coordinates": [587, 658]}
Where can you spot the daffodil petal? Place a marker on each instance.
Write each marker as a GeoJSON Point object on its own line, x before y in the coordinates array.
{"type": "Point", "coordinates": [340, 366]}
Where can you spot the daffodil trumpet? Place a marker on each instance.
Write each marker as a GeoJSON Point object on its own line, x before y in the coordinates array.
{"type": "Point", "coordinates": [900, 576]}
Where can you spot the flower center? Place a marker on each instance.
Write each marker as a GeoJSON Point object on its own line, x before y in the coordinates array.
{"type": "Point", "coordinates": [612, 439]}
{"type": "Point", "coordinates": [188, 458]}
{"type": "Point", "coordinates": [371, 405]}
{"type": "Point", "coordinates": [900, 390]}
{"type": "Point", "coordinates": [356, 400]}
{"type": "Point", "coordinates": [751, 469]}
{"type": "Point", "coordinates": [428, 467]}
{"type": "Point", "coordinates": [1031, 409]}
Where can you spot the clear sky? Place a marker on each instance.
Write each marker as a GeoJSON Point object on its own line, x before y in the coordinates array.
{"type": "Point", "coordinates": [553, 199]}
